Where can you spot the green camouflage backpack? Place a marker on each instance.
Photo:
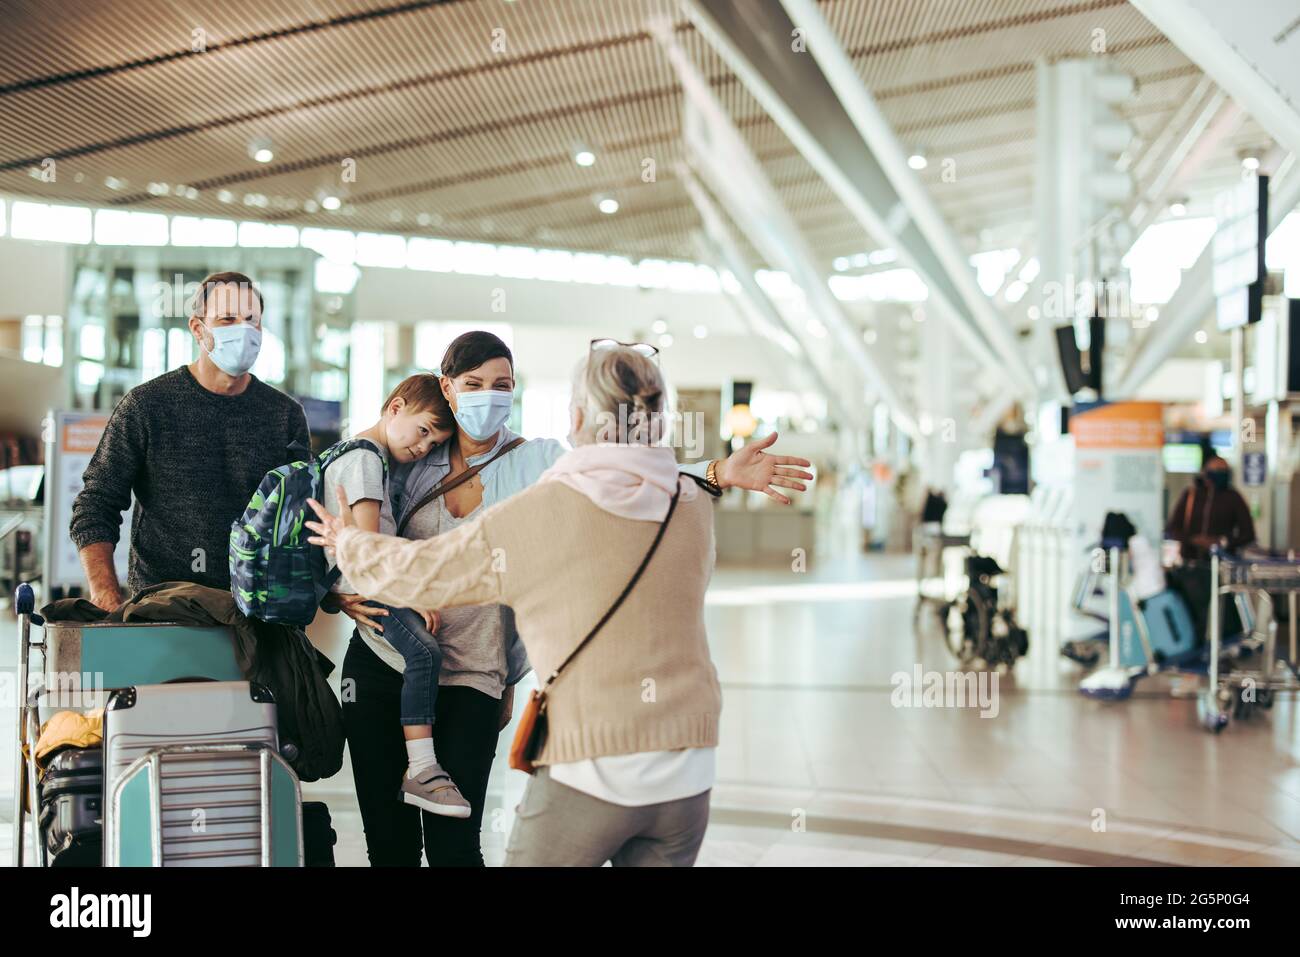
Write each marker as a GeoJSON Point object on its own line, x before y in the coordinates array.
{"type": "Point", "coordinates": [275, 574]}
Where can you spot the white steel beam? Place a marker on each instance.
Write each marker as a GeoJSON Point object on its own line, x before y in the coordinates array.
{"type": "Point", "coordinates": [793, 90]}
{"type": "Point", "coordinates": [724, 162]}
{"type": "Point", "coordinates": [878, 135]}
{"type": "Point", "coordinates": [1200, 29]}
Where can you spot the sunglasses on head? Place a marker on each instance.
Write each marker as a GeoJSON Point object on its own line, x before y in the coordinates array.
{"type": "Point", "coordinates": [641, 348]}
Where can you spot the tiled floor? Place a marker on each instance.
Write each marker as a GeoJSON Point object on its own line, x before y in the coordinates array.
{"type": "Point", "coordinates": [816, 765]}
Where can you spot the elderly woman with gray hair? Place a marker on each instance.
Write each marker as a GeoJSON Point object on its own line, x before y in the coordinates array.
{"type": "Point", "coordinates": [605, 561]}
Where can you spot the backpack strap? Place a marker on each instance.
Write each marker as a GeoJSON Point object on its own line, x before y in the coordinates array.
{"type": "Point", "coordinates": [325, 459]}
{"type": "Point", "coordinates": [446, 485]}
{"type": "Point", "coordinates": [339, 449]}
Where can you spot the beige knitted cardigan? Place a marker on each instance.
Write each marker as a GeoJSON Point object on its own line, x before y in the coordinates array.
{"type": "Point", "coordinates": [646, 681]}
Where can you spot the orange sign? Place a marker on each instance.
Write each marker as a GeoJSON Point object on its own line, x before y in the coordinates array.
{"type": "Point", "coordinates": [82, 436]}
{"type": "Point", "coordinates": [1120, 425]}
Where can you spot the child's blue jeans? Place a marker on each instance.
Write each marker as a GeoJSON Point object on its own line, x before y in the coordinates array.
{"type": "Point", "coordinates": [404, 629]}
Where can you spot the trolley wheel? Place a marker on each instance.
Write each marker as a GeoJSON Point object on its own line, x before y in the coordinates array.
{"type": "Point", "coordinates": [1209, 713]}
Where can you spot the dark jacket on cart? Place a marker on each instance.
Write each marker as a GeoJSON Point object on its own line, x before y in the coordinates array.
{"type": "Point", "coordinates": [277, 656]}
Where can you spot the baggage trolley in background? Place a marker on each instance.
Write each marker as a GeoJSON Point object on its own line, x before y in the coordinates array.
{"type": "Point", "coordinates": [107, 656]}
{"type": "Point", "coordinates": [1144, 636]}
{"type": "Point", "coordinates": [1240, 690]}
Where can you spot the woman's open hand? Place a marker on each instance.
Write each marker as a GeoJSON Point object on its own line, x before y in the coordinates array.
{"type": "Point", "coordinates": [759, 471]}
{"type": "Point", "coordinates": [328, 528]}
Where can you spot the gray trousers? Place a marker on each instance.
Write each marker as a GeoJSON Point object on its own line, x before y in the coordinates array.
{"type": "Point", "coordinates": [558, 826]}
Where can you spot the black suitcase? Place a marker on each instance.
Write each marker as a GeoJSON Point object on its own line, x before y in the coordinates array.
{"type": "Point", "coordinates": [318, 836]}
{"type": "Point", "coordinates": [72, 807]}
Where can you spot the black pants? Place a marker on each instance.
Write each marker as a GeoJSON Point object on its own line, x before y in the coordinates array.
{"type": "Point", "coordinates": [465, 738]}
{"type": "Point", "coordinates": [1192, 581]}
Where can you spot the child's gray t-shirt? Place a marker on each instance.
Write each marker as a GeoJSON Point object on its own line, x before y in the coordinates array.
{"type": "Point", "coordinates": [361, 475]}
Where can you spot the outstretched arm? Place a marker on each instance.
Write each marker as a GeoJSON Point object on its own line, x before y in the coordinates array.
{"type": "Point", "coordinates": [759, 471]}
{"type": "Point", "coordinates": [441, 572]}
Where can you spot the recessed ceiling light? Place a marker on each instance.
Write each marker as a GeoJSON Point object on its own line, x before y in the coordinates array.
{"type": "Point", "coordinates": [1202, 337]}
{"type": "Point", "coordinates": [584, 158]}
{"type": "Point", "coordinates": [331, 202]}
{"type": "Point", "coordinates": [1178, 208]}
{"type": "Point", "coordinates": [659, 327]}
{"type": "Point", "coordinates": [260, 150]}
{"type": "Point", "coordinates": [607, 205]}
{"type": "Point", "coordinates": [918, 161]}
{"type": "Point", "coordinates": [665, 341]}
{"type": "Point", "coordinates": [701, 332]}
{"type": "Point", "coordinates": [1249, 161]}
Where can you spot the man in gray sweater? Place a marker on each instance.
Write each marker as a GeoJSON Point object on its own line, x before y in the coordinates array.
{"type": "Point", "coordinates": [192, 444]}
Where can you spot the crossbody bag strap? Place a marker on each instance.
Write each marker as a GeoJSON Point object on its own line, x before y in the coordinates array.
{"type": "Point", "coordinates": [447, 485]}
{"type": "Point", "coordinates": [627, 590]}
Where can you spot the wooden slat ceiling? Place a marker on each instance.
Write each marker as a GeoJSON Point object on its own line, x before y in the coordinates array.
{"type": "Point", "coordinates": [453, 138]}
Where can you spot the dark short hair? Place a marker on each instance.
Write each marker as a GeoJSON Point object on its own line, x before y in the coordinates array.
{"type": "Point", "coordinates": [470, 350]}
{"type": "Point", "coordinates": [221, 279]}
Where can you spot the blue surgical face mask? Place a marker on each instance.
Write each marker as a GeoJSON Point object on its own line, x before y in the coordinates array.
{"type": "Point", "coordinates": [482, 414]}
{"type": "Point", "coordinates": [234, 348]}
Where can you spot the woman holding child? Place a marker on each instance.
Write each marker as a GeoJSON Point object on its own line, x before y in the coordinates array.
{"type": "Point", "coordinates": [485, 464]}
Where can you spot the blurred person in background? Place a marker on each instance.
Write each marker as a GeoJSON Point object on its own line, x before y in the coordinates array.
{"type": "Point", "coordinates": [1209, 513]}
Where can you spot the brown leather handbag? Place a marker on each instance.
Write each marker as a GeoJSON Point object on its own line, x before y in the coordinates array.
{"type": "Point", "coordinates": [530, 734]}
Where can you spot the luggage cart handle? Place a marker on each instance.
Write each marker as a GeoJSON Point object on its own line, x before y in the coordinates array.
{"type": "Point", "coordinates": [25, 603]}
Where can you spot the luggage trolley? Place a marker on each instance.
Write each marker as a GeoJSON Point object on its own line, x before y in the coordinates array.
{"type": "Point", "coordinates": [1239, 691]}
{"type": "Point", "coordinates": [151, 829]}
{"type": "Point", "coordinates": [1144, 636]}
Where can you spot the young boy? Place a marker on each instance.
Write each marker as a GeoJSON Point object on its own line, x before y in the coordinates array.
{"type": "Point", "coordinates": [415, 418]}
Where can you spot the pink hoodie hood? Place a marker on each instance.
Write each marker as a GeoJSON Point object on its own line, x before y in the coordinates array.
{"type": "Point", "coordinates": [631, 481]}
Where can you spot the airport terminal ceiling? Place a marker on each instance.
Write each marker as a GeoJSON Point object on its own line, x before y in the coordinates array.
{"type": "Point", "coordinates": [464, 118]}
